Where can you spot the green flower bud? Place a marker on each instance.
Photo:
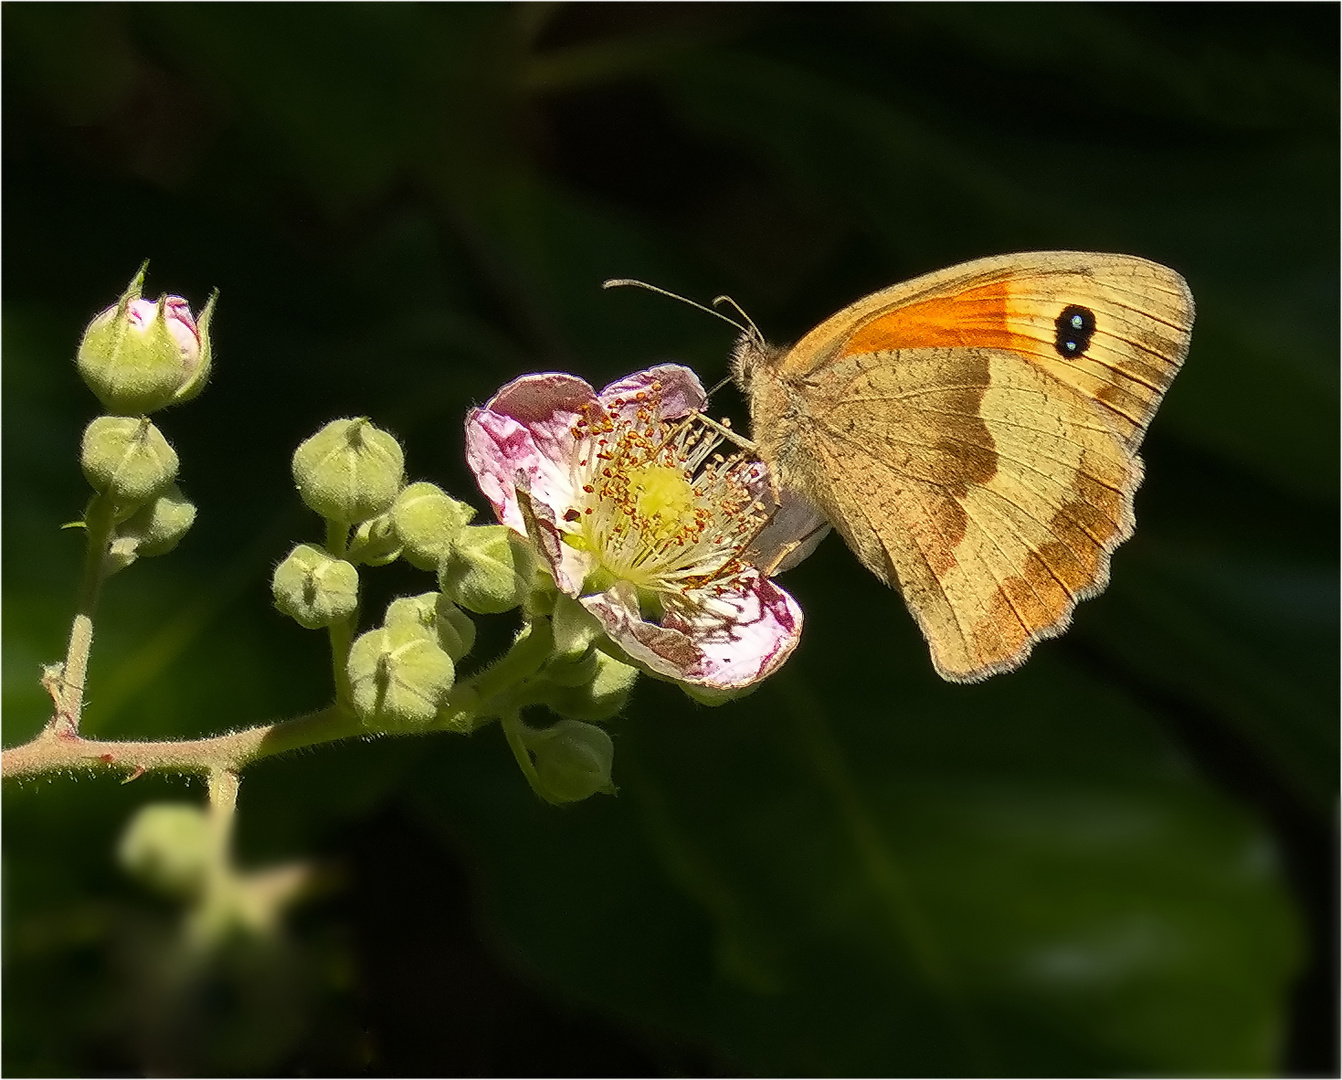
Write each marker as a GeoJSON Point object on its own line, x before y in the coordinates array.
{"type": "Point", "coordinates": [572, 760]}
{"type": "Point", "coordinates": [456, 631]}
{"type": "Point", "coordinates": [434, 616]}
{"type": "Point", "coordinates": [426, 519]}
{"type": "Point", "coordinates": [575, 628]}
{"type": "Point", "coordinates": [487, 569]}
{"type": "Point", "coordinates": [375, 543]}
{"type": "Point", "coordinates": [140, 355]}
{"type": "Point", "coordinates": [414, 612]}
{"type": "Point", "coordinates": [573, 672]}
{"type": "Point", "coordinates": [600, 697]}
{"type": "Point", "coordinates": [398, 678]}
{"type": "Point", "coordinates": [167, 847]}
{"type": "Point", "coordinates": [127, 458]}
{"type": "Point", "coordinates": [158, 526]}
{"type": "Point", "coordinates": [314, 588]}
{"type": "Point", "coordinates": [349, 471]}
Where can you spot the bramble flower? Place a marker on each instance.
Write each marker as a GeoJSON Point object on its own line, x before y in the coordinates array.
{"type": "Point", "coordinates": [665, 542]}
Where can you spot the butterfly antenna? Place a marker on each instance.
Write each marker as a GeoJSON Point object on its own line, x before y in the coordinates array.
{"type": "Point", "coordinates": [747, 329]}
{"type": "Point", "coordinates": [750, 327]}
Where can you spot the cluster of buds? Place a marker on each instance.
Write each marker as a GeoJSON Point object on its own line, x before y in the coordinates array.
{"type": "Point", "coordinates": [399, 677]}
{"type": "Point", "coordinates": [139, 356]}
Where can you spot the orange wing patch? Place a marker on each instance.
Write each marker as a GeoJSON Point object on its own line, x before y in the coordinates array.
{"type": "Point", "coordinates": [1126, 366]}
{"type": "Point", "coordinates": [978, 317]}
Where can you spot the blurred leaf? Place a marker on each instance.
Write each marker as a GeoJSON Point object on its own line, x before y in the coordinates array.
{"type": "Point", "coordinates": [1012, 881]}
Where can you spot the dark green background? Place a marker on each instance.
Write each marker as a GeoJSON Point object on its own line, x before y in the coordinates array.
{"type": "Point", "coordinates": [1120, 859]}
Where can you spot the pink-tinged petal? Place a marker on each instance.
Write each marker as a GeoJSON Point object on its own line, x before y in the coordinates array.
{"type": "Point", "coordinates": [759, 628]}
{"type": "Point", "coordinates": [680, 393]}
{"type": "Point", "coordinates": [546, 405]}
{"type": "Point", "coordinates": [567, 565]}
{"type": "Point", "coordinates": [761, 632]}
{"type": "Point", "coordinates": [497, 448]}
{"type": "Point", "coordinates": [180, 322]}
{"type": "Point", "coordinates": [528, 427]}
{"type": "Point", "coordinates": [666, 652]}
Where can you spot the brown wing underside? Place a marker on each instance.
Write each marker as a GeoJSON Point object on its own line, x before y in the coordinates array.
{"type": "Point", "coordinates": [990, 494]}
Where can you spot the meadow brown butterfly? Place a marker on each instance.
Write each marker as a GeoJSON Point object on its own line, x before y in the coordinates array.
{"type": "Point", "coordinates": [973, 435]}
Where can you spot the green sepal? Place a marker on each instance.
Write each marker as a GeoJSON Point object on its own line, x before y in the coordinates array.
{"type": "Point", "coordinates": [426, 519]}
{"type": "Point", "coordinates": [127, 459]}
{"type": "Point", "coordinates": [349, 471]}
{"type": "Point", "coordinates": [598, 698]}
{"type": "Point", "coordinates": [314, 588]}
{"type": "Point", "coordinates": [399, 677]}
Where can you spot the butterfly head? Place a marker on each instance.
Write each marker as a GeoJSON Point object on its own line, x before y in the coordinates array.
{"type": "Point", "coordinates": [749, 354]}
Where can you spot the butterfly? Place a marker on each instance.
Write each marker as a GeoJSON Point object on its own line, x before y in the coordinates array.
{"type": "Point", "coordinates": [973, 434]}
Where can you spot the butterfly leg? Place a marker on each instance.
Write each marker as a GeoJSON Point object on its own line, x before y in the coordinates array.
{"type": "Point", "coordinates": [724, 429]}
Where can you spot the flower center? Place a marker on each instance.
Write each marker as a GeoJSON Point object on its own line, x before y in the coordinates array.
{"type": "Point", "coordinates": [656, 506]}
{"type": "Point", "coordinates": [663, 498]}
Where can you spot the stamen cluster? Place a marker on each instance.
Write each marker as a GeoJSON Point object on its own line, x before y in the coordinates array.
{"type": "Point", "coordinates": [655, 502]}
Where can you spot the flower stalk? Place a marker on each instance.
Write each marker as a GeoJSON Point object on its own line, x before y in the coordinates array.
{"type": "Point", "coordinates": [472, 702]}
{"type": "Point", "coordinates": [341, 632]}
{"type": "Point", "coordinates": [68, 688]}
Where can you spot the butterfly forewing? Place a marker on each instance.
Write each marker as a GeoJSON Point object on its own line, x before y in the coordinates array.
{"type": "Point", "coordinates": [972, 435]}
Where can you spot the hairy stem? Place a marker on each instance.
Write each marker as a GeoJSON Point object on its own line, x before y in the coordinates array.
{"type": "Point", "coordinates": [499, 683]}
{"type": "Point", "coordinates": [483, 696]}
{"type": "Point", "coordinates": [54, 750]}
{"type": "Point", "coordinates": [341, 632]}
{"type": "Point", "coordinates": [98, 524]}
{"type": "Point", "coordinates": [223, 784]}
{"type": "Point", "coordinates": [512, 730]}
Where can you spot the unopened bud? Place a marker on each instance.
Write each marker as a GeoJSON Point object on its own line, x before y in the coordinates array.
{"type": "Point", "coordinates": [426, 519]}
{"type": "Point", "coordinates": [314, 588]}
{"type": "Point", "coordinates": [572, 760]}
{"type": "Point", "coordinates": [153, 529]}
{"type": "Point", "coordinates": [398, 678]}
{"type": "Point", "coordinates": [374, 543]}
{"type": "Point", "coordinates": [140, 355]}
{"type": "Point", "coordinates": [349, 471]}
{"type": "Point", "coordinates": [597, 698]}
{"type": "Point", "coordinates": [159, 525]}
{"type": "Point", "coordinates": [487, 569]}
{"type": "Point", "coordinates": [127, 458]}
{"type": "Point", "coordinates": [416, 613]}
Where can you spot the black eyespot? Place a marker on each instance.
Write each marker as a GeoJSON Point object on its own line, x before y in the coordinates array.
{"type": "Point", "coordinates": [1075, 326]}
